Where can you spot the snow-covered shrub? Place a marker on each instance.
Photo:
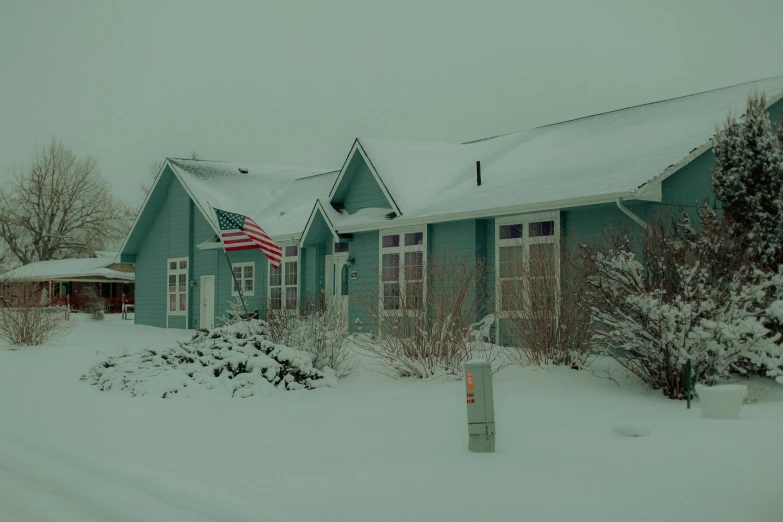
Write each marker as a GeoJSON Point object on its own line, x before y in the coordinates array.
{"type": "Point", "coordinates": [320, 328]}
{"type": "Point", "coordinates": [235, 359]}
{"type": "Point", "coordinates": [236, 312]}
{"type": "Point", "coordinates": [24, 322]}
{"type": "Point", "coordinates": [684, 303]}
{"type": "Point", "coordinates": [423, 333]}
{"type": "Point", "coordinates": [548, 313]}
{"type": "Point", "coordinates": [748, 180]}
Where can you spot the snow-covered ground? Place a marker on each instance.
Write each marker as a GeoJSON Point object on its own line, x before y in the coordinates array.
{"type": "Point", "coordinates": [373, 449]}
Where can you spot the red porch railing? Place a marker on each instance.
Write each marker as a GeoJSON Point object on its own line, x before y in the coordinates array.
{"type": "Point", "coordinates": [113, 304]}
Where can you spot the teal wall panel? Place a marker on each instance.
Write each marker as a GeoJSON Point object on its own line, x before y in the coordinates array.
{"type": "Point", "coordinates": [365, 250]}
{"type": "Point", "coordinates": [358, 188]}
{"type": "Point", "coordinates": [168, 236]}
{"type": "Point", "coordinates": [150, 288]}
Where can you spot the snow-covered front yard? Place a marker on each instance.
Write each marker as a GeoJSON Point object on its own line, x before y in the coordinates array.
{"type": "Point", "coordinates": [373, 449]}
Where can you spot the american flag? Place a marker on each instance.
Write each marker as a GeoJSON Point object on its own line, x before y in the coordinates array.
{"type": "Point", "coordinates": [239, 232]}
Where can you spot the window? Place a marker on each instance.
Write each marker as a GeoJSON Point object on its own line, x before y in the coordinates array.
{"type": "Point", "coordinates": [340, 248]}
{"type": "Point", "coordinates": [402, 270]}
{"type": "Point", "coordinates": [283, 281]}
{"type": "Point", "coordinates": [526, 246]}
{"type": "Point", "coordinates": [177, 286]}
{"type": "Point", "coordinates": [244, 277]}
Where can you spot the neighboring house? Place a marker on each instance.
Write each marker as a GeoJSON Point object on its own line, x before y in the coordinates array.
{"type": "Point", "coordinates": [62, 278]}
{"type": "Point", "coordinates": [396, 203]}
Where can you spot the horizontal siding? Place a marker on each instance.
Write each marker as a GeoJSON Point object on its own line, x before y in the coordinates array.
{"type": "Point", "coordinates": [150, 284]}
{"type": "Point", "coordinates": [168, 237]}
{"type": "Point", "coordinates": [203, 262]}
{"type": "Point", "coordinates": [359, 189]}
{"type": "Point", "coordinates": [224, 281]}
{"type": "Point", "coordinates": [364, 249]}
{"type": "Point", "coordinates": [450, 245]}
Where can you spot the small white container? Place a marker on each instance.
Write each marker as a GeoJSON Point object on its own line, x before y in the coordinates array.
{"type": "Point", "coordinates": [721, 402]}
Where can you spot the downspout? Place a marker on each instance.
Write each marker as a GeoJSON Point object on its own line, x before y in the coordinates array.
{"type": "Point", "coordinates": [630, 214]}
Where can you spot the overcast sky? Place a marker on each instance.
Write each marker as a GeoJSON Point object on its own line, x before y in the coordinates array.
{"type": "Point", "coordinates": [293, 82]}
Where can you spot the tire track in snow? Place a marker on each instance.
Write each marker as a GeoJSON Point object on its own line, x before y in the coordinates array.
{"type": "Point", "coordinates": [41, 482]}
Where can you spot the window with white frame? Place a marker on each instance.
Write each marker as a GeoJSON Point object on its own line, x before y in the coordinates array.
{"type": "Point", "coordinates": [177, 286]}
{"type": "Point", "coordinates": [527, 258]}
{"type": "Point", "coordinates": [402, 269]}
{"type": "Point", "coordinates": [284, 280]}
{"type": "Point", "coordinates": [244, 278]}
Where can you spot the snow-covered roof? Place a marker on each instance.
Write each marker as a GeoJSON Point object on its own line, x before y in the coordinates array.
{"type": "Point", "coordinates": [68, 269]}
{"type": "Point", "coordinates": [262, 192]}
{"type": "Point", "coordinates": [611, 153]}
{"type": "Point", "coordinates": [288, 213]}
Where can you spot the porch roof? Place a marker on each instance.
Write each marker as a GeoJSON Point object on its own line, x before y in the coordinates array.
{"type": "Point", "coordinates": [84, 269]}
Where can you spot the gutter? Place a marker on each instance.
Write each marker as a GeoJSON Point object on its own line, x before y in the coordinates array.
{"type": "Point", "coordinates": [488, 213]}
{"type": "Point", "coordinates": [630, 214]}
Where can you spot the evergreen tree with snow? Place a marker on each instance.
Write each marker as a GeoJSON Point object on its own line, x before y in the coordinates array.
{"type": "Point", "coordinates": [748, 180]}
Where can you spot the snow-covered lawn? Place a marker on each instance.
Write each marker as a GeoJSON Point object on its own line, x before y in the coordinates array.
{"type": "Point", "coordinates": [373, 449]}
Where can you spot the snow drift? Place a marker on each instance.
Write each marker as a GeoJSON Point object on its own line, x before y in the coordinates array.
{"type": "Point", "coordinates": [235, 360]}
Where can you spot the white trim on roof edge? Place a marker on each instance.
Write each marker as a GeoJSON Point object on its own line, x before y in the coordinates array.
{"type": "Point", "coordinates": [358, 146]}
{"type": "Point", "coordinates": [209, 216]}
{"type": "Point", "coordinates": [175, 171]}
{"type": "Point", "coordinates": [495, 212]}
{"type": "Point", "coordinates": [695, 153]}
{"type": "Point", "coordinates": [141, 210]}
{"type": "Point", "coordinates": [318, 207]}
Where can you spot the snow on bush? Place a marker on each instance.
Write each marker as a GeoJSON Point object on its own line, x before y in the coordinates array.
{"type": "Point", "coordinates": [320, 329]}
{"type": "Point", "coordinates": [235, 359]}
{"type": "Point", "coordinates": [694, 299]}
{"type": "Point", "coordinates": [748, 180]}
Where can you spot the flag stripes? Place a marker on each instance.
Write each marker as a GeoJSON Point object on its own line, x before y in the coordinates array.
{"type": "Point", "coordinates": [239, 232]}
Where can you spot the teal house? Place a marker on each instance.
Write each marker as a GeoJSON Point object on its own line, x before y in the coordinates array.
{"type": "Point", "coordinates": [393, 204]}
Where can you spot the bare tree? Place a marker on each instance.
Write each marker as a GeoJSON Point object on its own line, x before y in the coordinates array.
{"type": "Point", "coordinates": [155, 167]}
{"type": "Point", "coordinates": [5, 258]}
{"type": "Point", "coordinates": [57, 206]}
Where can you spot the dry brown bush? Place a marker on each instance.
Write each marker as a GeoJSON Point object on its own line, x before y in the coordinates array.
{"type": "Point", "coordinates": [428, 328]}
{"type": "Point", "coordinates": [24, 321]}
{"type": "Point", "coordinates": [545, 302]}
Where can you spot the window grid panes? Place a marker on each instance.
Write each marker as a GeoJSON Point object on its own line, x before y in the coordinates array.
{"type": "Point", "coordinates": [244, 278]}
{"type": "Point", "coordinates": [402, 270]}
{"type": "Point", "coordinates": [527, 264]}
{"type": "Point", "coordinates": [283, 281]}
{"type": "Point", "coordinates": [177, 286]}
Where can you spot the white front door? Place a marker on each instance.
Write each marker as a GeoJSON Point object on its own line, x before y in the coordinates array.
{"type": "Point", "coordinates": [207, 318]}
{"type": "Point", "coordinates": [336, 288]}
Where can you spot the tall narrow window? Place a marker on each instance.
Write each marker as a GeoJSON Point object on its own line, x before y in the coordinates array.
{"type": "Point", "coordinates": [177, 288]}
{"type": "Point", "coordinates": [402, 270]}
{"type": "Point", "coordinates": [527, 261]}
{"type": "Point", "coordinates": [284, 281]}
{"type": "Point", "coordinates": [244, 278]}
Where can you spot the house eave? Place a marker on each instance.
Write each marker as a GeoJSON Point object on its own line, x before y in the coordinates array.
{"type": "Point", "coordinates": [497, 212]}
{"type": "Point", "coordinates": [695, 153]}
{"type": "Point", "coordinates": [357, 147]}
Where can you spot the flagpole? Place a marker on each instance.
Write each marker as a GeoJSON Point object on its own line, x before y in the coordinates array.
{"type": "Point", "coordinates": [231, 267]}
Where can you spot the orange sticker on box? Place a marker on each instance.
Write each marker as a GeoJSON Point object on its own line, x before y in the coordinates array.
{"type": "Point", "coordinates": [470, 380]}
